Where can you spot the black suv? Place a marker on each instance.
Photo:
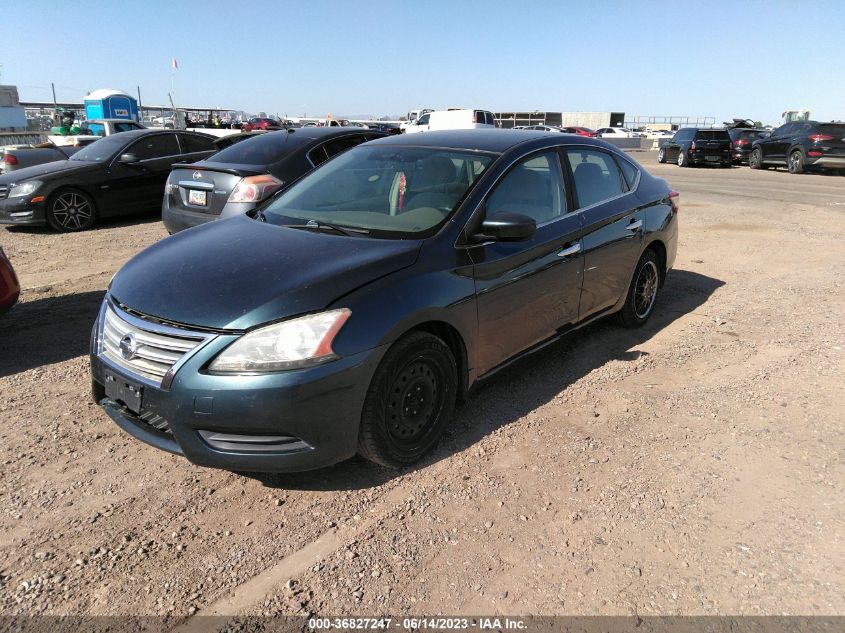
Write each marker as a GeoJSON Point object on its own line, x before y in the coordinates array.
{"type": "Point", "coordinates": [742, 140]}
{"type": "Point", "coordinates": [693, 146]}
{"type": "Point", "coordinates": [801, 145]}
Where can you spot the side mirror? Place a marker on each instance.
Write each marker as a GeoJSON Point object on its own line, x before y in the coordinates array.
{"type": "Point", "coordinates": [507, 227]}
{"type": "Point", "coordinates": [128, 159]}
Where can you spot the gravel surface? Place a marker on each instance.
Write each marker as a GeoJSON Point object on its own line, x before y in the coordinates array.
{"type": "Point", "coordinates": [690, 467]}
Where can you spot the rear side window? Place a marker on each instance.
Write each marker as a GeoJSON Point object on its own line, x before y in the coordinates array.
{"type": "Point", "coordinates": [259, 150]}
{"type": "Point", "coordinates": [533, 188]}
{"type": "Point", "coordinates": [191, 143]}
{"type": "Point", "coordinates": [595, 175]}
{"type": "Point", "coordinates": [156, 146]}
{"type": "Point", "coordinates": [713, 135]}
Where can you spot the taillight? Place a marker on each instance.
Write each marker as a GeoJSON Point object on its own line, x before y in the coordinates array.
{"type": "Point", "coordinates": [675, 201]}
{"type": "Point", "coordinates": [474, 118]}
{"type": "Point", "coordinates": [10, 160]}
{"type": "Point", "coordinates": [255, 188]}
{"type": "Point", "coordinates": [820, 137]}
{"type": "Point", "coordinates": [741, 141]}
{"type": "Point", "coordinates": [692, 146]}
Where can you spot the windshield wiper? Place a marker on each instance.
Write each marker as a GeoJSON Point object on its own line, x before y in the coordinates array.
{"type": "Point", "coordinates": [313, 225]}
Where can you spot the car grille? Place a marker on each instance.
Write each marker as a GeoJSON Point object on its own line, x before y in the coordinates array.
{"type": "Point", "coordinates": [4, 192]}
{"type": "Point", "coordinates": [156, 349]}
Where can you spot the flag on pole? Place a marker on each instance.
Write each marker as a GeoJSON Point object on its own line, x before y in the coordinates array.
{"type": "Point", "coordinates": [174, 64]}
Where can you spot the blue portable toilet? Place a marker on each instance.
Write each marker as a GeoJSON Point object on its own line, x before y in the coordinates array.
{"type": "Point", "coordinates": [108, 103]}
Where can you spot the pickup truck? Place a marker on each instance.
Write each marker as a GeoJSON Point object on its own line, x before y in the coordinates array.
{"type": "Point", "coordinates": [96, 128]}
{"type": "Point", "coordinates": [14, 157]}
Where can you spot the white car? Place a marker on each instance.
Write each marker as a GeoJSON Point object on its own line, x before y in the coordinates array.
{"type": "Point", "coordinates": [616, 132]}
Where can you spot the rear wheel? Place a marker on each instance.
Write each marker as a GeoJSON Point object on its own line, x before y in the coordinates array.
{"type": "Point", "coordinates": [410, 401]}
{"type": "Point", "coordinates": [70, 210]}
{"type": "Point", "coordinates": [642, 293]}
{"type": "Point", "coordinates": [661, 156]}
{"type": "Point", "coordinates": [683, 161]}
{"type": "Point", "coordinates": [796, 162]}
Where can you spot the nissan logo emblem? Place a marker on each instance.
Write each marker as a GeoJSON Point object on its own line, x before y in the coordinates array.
{"type": "Point", "coordinates": [196, 176]}
{"type": "Point", "coordinates": [128, 346]}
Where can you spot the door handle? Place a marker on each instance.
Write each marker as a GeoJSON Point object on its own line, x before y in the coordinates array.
{"type": "Point", "coordinates": [636, 225]}
{"type": "Point", "coordinates": [571, 250]}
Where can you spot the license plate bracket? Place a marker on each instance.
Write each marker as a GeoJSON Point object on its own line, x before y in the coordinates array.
{"type": "Point", "coordinates": [712, 158]}
{"type": "Point", "coordinates": [198, 198]}
{"type": "Point", "coordinates": [125, 391]}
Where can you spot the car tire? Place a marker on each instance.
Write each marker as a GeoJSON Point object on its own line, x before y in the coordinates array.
{"type": "Point", "coordinates": [70, 210]}
{"type": "Point", "coordinates": [661, 155]}
{"type": "Point", "coordinates": [796, 162]}
{"type": "Point", "coordinates": [755, 160]}
{"type": "Point", "coordinates": [642, 293]}
{"type": "Point", "coordinates": [410, 401]}
{"type": "Point", "coordinates": [683, 160]}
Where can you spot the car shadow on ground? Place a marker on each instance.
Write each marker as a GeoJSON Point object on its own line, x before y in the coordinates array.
{"type": "Point", "coordinates": [44, 331]}
{"type": "Point", "coordinates": [522, 387]}
{"type": "Point", "coordinates": [144, 217]}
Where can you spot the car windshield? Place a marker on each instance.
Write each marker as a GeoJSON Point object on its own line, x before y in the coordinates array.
{"type": "Point", "coordinates": [392, 192]}
{"type": "Point", "coordinates": [102, 150]}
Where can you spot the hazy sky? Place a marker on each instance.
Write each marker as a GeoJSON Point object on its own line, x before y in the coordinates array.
{"type": "Point", "coordinates": [721, 59]}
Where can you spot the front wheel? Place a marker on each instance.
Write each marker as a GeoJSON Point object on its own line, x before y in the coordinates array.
{"type": "Point", "coordinates": [70, 210]}
{"type": "Point", "coordinates": [755, 160]}
{"type": "Point", "coordinates": [410, 401]}
{"type": "Point", "coordinates": [642, 293]}
{"type": "Point", "coordinates": [796, 162]}
{"type": "Point", "coordinates": [661, 156]}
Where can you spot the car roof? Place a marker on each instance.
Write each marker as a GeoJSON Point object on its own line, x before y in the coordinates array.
{"type": "Point", "coordinates": [483, 140]}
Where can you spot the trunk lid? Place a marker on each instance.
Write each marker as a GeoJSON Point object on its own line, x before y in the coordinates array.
{"type": "Point", "coordinates": [205, 187]}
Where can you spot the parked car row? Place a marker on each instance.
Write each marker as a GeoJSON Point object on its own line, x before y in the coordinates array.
{"type": "Point", "coordinates": [799, 146]}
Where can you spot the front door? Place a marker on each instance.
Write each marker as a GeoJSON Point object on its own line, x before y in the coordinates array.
{"type": "Point", "coordinates": [526, 291]}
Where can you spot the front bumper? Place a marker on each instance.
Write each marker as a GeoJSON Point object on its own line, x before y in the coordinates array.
{"type": "Point", "coordinates": [20, 211]}
{"type": "Point", "coordinates": [319, 407]}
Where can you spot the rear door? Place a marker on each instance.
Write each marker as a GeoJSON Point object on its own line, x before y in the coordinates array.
{"type": "Point", "coordinates": [673, 147]}
{"type": "Point", "coordinates": [612, 223]}
{"type": "Point", "coordinates": [774, 148]}
{"type": "Point", "coordinates": [527, 291]}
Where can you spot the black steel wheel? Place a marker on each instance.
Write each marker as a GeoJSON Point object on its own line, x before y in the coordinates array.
{"type": "Point", "coordinates": [642, 293]}
{"type": "Point", "coordinates": [410, 401]}
{"type": "Point", "coordinates": [70, 210]}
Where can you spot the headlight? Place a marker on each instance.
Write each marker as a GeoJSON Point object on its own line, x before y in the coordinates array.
{"type": "Point", "coordinates": [290, 344]}
{"type": "Point", "coordinates": [24, 189]}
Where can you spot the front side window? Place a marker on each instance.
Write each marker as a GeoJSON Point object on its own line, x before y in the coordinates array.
{"type": "Point", "coordinates": [156, 146]}
{"type": "Point", "coordinates": [595, 175]}
{"type": "Point", "coordinates": [423, 120]}
{"type": "Point", "coordinates": [390, 191]}
{"type": "Point", "coordinates": [533, 188]}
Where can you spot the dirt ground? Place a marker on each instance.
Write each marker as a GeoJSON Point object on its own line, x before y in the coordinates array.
{"type": "Point", "coordinates": [694, 466]}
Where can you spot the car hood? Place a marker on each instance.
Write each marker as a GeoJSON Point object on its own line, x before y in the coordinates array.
{"type": "Point", "coordinates": [36, 171]}
{"type": "Point", "coordinates": [239, 273]}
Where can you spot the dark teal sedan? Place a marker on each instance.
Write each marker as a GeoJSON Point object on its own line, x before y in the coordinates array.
{"type": "Point", "coordinates": [350, 313]}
